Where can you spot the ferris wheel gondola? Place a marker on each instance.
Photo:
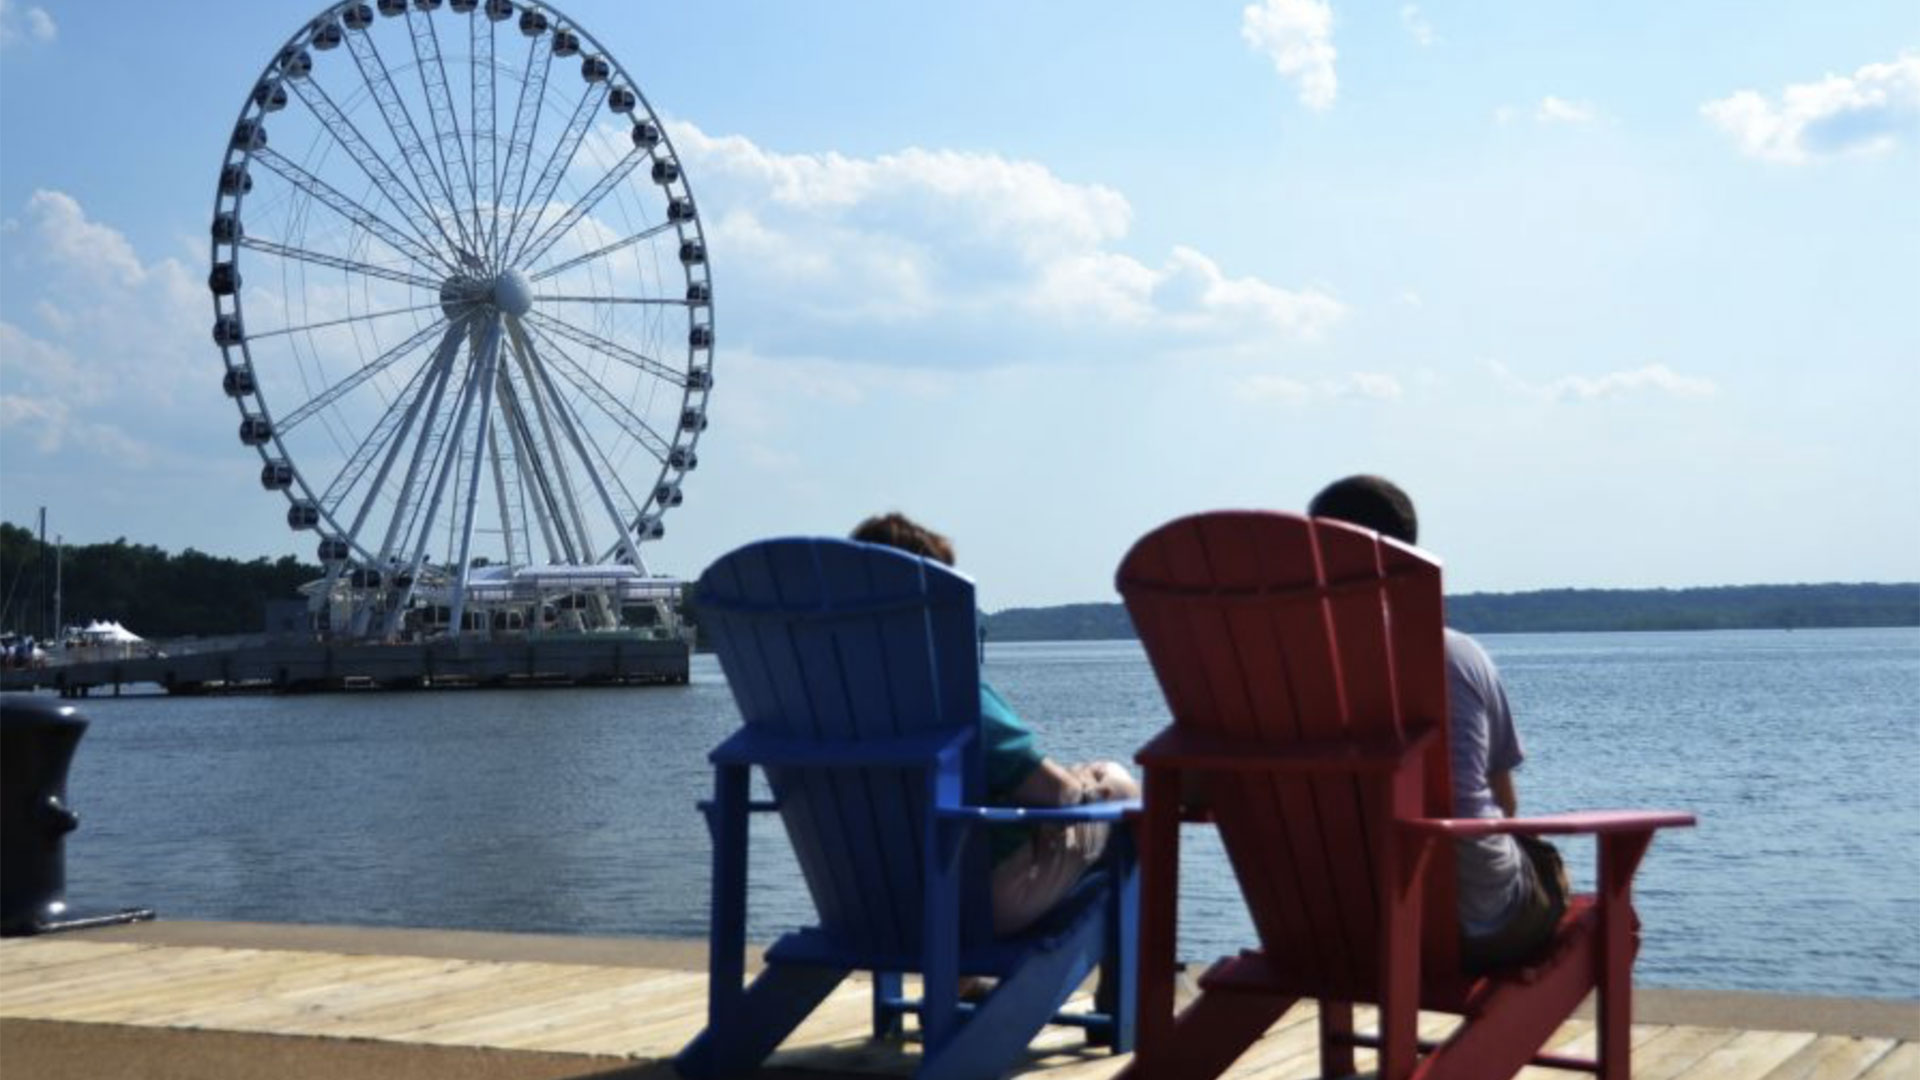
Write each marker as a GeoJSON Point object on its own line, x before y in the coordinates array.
{"type": "Point", "coordinates": [462, 299]}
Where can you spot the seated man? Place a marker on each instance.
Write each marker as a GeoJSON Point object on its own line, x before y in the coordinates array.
{"type": "Point", "coordinates": [1513, 890]}
{"type": "Point", "coordinates": [1033, 866]}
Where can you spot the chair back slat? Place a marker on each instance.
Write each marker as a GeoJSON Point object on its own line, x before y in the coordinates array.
{"type": "Point", "coordinates": [834, 642]}
{"type": "Point", "coordinates": [1279, 629]}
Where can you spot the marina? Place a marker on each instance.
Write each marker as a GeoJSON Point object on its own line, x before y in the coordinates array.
{"type": "Point", "coordinates": [593, 659]}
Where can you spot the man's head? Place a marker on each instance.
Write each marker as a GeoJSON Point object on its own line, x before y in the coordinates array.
{"type": "Point", "coordinates": [900, 531]}
{"type": "Point", "coordinates": [1371, 502]}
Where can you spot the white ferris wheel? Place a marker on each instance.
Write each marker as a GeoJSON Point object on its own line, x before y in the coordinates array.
{"type": "Point", "coordinates": [461, 293]}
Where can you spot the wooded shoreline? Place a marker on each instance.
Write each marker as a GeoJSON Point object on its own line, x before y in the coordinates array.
{"type": "Point", "coordinates": [164, 595]}
{"type": "Point", "coordinates": [1730, 607]}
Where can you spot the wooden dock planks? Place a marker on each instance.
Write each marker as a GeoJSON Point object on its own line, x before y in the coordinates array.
{"type": "Point", "coordinates": [649, 1013]}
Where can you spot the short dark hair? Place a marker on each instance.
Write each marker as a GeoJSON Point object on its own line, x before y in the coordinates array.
{"type": "Point", "coordinates": [1372, 502]}
{"type": "Point", "coordinates": [897, 530]}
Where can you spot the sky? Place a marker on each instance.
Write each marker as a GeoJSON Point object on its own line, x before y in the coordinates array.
{"type": "Point", "coordinates": [1625, 294]}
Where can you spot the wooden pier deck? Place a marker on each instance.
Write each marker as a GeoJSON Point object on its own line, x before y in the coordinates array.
{"type": "Point", "coordinates": [576, 1008]}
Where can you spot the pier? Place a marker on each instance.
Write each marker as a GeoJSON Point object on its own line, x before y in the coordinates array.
{"type": "Point", "coordinates": [219, 1000]}
{"type": "Point", "coordinates": [588, 659]}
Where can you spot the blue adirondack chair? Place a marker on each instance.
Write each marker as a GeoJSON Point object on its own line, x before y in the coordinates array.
{"type": "Point", "coordinates": [856, 671]}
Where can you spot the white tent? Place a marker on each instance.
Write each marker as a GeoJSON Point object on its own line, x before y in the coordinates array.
{"type": "Point", "coordinates": [108, 632]}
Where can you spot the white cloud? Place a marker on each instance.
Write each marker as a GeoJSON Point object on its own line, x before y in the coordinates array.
{"type": "Point", "coordinates": [1652, 378]}
{"type": "Point", "coordinates": [1416, 25]}
{"type": "Point", "coordinates": [1243, 300]}
{"type": "Point", "coordinates": [1553, 110]}
{"type": "Point", "coordinates": [1020, 202]}
{"type": "Point", "coordinates": [1863, 113]}
{"type": "Point", "coordinates": [70, 242]}
{"type": "Point", "coordinates": [935, 257]}
{"type": "Point", "coordinates": [42, 420]}
{"type": "Point", "coordinates": [25, 25]}
{"type": "Point", "coordinates": [113, 345]}
{"type": "Point", "coordinates": [1297, 35]}
{"type": "Point", "coordinates": [1286, 390]}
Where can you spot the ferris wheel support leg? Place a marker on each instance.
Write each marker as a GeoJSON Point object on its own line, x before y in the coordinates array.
{"type": "Point", "coordinates": [623, 521]}
{"type": "Point", "coordinates": [489, 362]}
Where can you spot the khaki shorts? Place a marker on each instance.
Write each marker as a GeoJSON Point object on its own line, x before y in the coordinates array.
{"type": "Point", "coordinates": [1527, 934]}
{"type": "Point", "coordinates": [1027, 883]}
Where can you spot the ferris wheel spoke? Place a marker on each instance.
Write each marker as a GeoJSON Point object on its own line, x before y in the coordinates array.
{"type": "Point", "coordinates": [607, 348]}
{"type": "Point", "coordinates": [520, 434]}
{"type": "Point", "coordinates": [656, 301]}
{"type": "Point", "coordinates": [526, 119]}
{"type": "Point", "coordinates": [345, 134]}
{"type": "Point", "coordinates": [506, 475]}
{"type": "Point", "coordinates": [447, 452]}
{"type": "Point", "coordinates": [528, 214]}
{"type": "Point", "coordinates": [549, 415]}
{"type": "Point", "coordinates": [480, 104]}
{"type": "Point", "coordinates": [391, 434]}
{"type": "Point", "coordinates": [612, 407]}
{"type": "Point", "coordinates": [268, 247]}
{"type": "Point", "coordinates": [373, 367]}
{"type": "Point", "coordinates": [581, 207]}
{"type": "Point", "coordinates": [406, 501]}
{"type": "Point", "coordinates": [382, 436]}
{"type": "Point", "coordinates": [598, 465]}
{"type": "Point", "coordinates": [406, 135]}
{"type": "Point", "coordinates": [368, 317]}
{"type": "Point", "coordinates": [601, 253]}
{"type": "Point", "coordinates": [354, 212]}
{"type": "Point", "coordinates": [443, 116]}
{"type": "Point", "coordinates": [548, 510]}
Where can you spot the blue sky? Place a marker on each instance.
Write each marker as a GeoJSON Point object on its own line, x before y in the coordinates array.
{"type": "Point", "coordinates": [1625, 294]}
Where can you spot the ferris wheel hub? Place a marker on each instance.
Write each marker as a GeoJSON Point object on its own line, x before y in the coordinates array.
{"type": "Point", "coordinates": [513, 293]}
{"type": "Point", "coordinates": [509, 293]}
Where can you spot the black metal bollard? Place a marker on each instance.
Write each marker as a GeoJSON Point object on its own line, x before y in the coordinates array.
{"type": "Point", "coordinates": [37, 739]}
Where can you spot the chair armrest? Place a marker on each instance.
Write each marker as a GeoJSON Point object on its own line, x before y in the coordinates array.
{"type": "Point", "coordinates": [1112, 810]}
{"type": "Point", "coordinates": [1594, 822]}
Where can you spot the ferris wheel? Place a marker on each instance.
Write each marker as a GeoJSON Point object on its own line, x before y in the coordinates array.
{"type": "Point", "coordinates": [461, 293]}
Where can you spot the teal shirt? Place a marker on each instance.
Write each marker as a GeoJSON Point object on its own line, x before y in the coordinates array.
{"type": "Point", "coordinates": [1009, 757]}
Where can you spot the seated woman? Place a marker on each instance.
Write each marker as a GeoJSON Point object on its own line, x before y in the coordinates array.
{"type": "Point", "coordinates": [1033, 866]}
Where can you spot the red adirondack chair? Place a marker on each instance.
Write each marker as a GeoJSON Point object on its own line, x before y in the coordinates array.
{"type": "Point", "coordinates": [1303, 662]}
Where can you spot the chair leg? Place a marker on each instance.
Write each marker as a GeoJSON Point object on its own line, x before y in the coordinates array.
{"type": "Point", "coordinates": [1159, 840]}
{"type": "Point", "coordinates": [887, 1013]}
{"type": "Point", "coordinates": [768, 1012]}
{"type": "Point", "coordinates": [1620, 854]}
{"type": "Point", "coordinates": [1117, 994]}
{"type": "Point", "coordinates": [1001, 1027]}
{"type": "Point", "coordinates": [1210, 1035]}
{"type": "Point", "coordinates": [1336, 1038]}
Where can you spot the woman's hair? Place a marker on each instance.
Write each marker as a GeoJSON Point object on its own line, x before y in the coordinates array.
{"type": "Point", "coordinates": [897, 530]}
{"type": "Point", "coordinates": [1371, 502]}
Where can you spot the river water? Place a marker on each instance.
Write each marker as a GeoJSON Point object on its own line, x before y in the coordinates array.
{"type": "Point", "coordinates": [572, 811]}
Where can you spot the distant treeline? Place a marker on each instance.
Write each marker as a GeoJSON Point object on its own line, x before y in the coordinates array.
{"type": "Point", "coordinates": [1732, 607]}
{"type": "Point", "coordinates": [159, 595]}
{"type": "Point", "coordinates": [150, 592]}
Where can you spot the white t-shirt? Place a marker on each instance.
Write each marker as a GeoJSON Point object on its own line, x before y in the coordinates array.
{"type": "Point", "coordinates": [1482, 741]}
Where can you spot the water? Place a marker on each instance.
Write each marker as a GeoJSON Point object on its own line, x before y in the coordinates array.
{"type": "Point", "coordinates": [571, 811]}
